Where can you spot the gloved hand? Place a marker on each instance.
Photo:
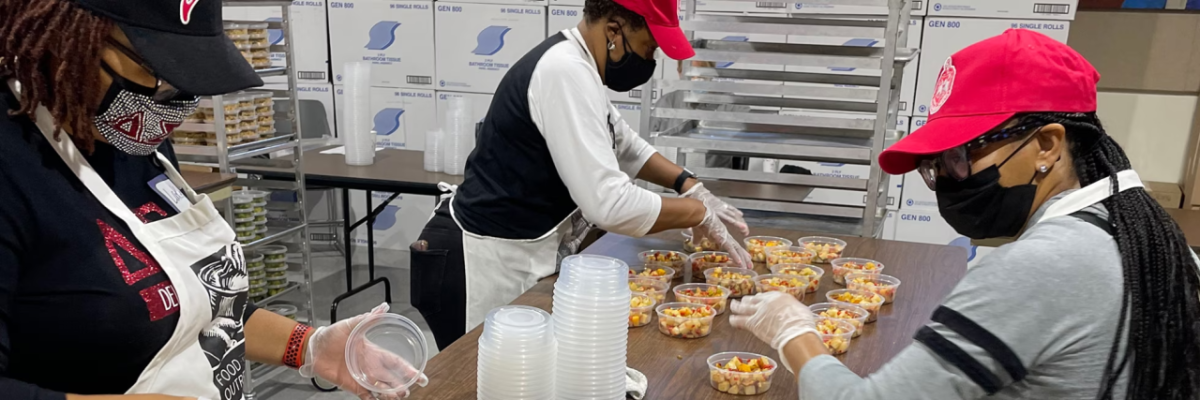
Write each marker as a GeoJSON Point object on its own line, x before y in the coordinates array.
{"type": "Point", "coordinates": [727, 213]}
{"type": "Point", "coordinates": [326, 358]}
{"type": "Point", "coordinates": [775, 317]}
{"type": "Point", "coordinates": [712, 228]}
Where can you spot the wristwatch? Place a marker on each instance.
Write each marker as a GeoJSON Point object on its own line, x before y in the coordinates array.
{"type": "Point", "coordinates": [683, 177]}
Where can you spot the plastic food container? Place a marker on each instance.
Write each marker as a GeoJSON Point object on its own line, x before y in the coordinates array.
{"type": "Point", "coordinates": [685, 320]}
{"type": "Point", "coordinates": [268, 119]}
{"type": "Point", "coordinates": [257, 29]}
{"type": "Point", "coordinates": [395, 334]}
{"type": "Point", "coordinates": [286, 310]}
{"type": "Point", "coordinates": [866, 300]}
{"type": "Point", "coordinates": [260, 218]}
{"type": "Point", "coordinates": [824, 248]}
{"type": "Point", "coordinates": [276, 288]}
{"type": "Point", "coordinates": [235, 30]}
{"type": "Point", "coordinates": [702, 293]}
{"type": "Point", "coordinates": [243, 222]}
{"type": "Point", "coordinates": [641, 309]}
{"type": "Point", "coordinates": [262, 99]}
{"type": "Point", "coordinates": [254, 262]}
{"type": "Point", "coordinates": [260, 206]}
{"type": "Point", "coordinates": [794, 285]}
{"type": "Point", "coordinates": [705, 243]}
{"type": "Point", "coordinates": [260, 232]}
{"type": "Point", "coordinates": [257, 281]}
{"type": "Point", "coordinates": [664, 273]}
{"type": "Point", "coordinates": [258, 294]}
{"type": "Point", "coordinates": [739, 281]}
{"type": "Point", "coordinates": [844, 266]}
{"type": "Point", "coordinates": [836, 334]}
{"type": "Point", "coordinates": [741, 373]}
{"type": "Point", "coordinates": [812, 272]}
{"type": "Point", "coordinates": [874, 282]}
{"type": "Point", "coordinates": [665, 258]}
{"type": "Point", "coordinates": [261, 62]}
{"type": "Point", "coordinates": [705, 260]}
{"type": "Point", "coordinates": [275, 253]}
{"type": "Point", "coordinates": [789, 255]}
{"type": "Point", "coordinates": [242, 204]}
{"type": "Point", "coordinates": [757, 246]}
{"type": "Point", "coordinates": [654, 287]}
{"type": "Point", "coordinates": [855, 315]}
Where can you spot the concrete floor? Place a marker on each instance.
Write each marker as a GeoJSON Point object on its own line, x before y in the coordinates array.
{"type": "Point", "coordinates": [329, 271]}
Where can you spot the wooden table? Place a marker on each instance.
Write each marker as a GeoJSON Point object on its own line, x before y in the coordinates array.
{"type": "Point", "coordinates": [1189, 223]}
{"type": "Point", "coordinates": [676, 368]}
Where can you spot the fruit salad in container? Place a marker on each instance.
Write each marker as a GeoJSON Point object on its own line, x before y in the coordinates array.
{"type": "Point", "coordinates": [789, 255]}
{"type": "Point", "coordinates": [758, 246]}
{"type": "Point", "coordinates": [664, 258]}
{"type": "Point", "coordinates": [685, 320]}
{"type": "Point", "coordinates": [739, 281]}
{"type": "Point", "coordinates": [654, 287]}
{"type": "Point", "coordinates": [866, 300]}
{"type": "Point", "coordinates": [794, 285]}
{"type": "Point", "coordinates": [706, 260]}
{"type": "Point", "coordinates": [659, 272]}
{"type": "Point", "coordinates": [836, 334]}
{"type": "Point", "coordinates": [741, 373]}
{"type": "Point", "coordinates": [641, 307]}
{"type": "Point", "coordinates": [691, 246]}
{"type": "Point", "coordinates": [855, 315]}
{"type": "Point", "coordinates": [845, 266]}
{"type": "Point", "coordinates": [811, 272]}
{"type": "Point", "coordinates": [702, 293]}
{"type": "Point", "coordinates": [824, 248]}
{"type": "Point", "coordinates": [874, 282]}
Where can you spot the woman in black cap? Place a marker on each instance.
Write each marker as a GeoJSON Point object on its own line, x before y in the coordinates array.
{"type": "Point", "coordinates": [116, 279]}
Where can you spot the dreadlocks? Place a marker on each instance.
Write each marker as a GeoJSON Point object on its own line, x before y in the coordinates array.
{"type": "Point", "coordinates": [53, 48]}
{"type": "Point", "coordinates": [1161, 301]}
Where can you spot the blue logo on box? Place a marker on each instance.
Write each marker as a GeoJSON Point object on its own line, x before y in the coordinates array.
{"type": "Point", "coordinates": [965, 242]}
{"type": "Point", "coordinates": [386, 219]}
{"type": "Point", "coordinates": [727, 64]}
{"type": "Point", "coordinates": [937, 7]}
{"type": "Point", "coordinates": [382, 35]}
{"type": "Point", "coordinates": [490, 40]}
{"type": "Point", "coordinates": [387, 121]}
{"type": "Point", "coordinates": [274, 36]}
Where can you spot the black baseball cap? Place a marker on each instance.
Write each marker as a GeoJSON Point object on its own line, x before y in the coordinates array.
{"type": "Point", "coordinates": [183, 41]}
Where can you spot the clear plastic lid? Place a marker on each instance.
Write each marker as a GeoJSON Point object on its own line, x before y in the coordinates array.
{"type": "Point", "coordinates": [282, 309]}
{"type": "Point", "coordinates": [395, 334]}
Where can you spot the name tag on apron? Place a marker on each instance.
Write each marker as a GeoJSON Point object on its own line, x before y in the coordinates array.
{"type": "Point", "coordinates": [169, 192]}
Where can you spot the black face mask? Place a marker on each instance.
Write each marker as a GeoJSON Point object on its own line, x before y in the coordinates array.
{"type": "Point", "coordinates": [630, 71]}
{"type": "Point", "coordinates": [979, 208]}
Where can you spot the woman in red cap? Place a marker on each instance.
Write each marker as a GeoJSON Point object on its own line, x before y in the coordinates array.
{"type": "Point", "coordinates": [1099, 295]}
{"type": "Point", "coordinates": [554, 156]}
{"type": "Point", "coordinates": [117, 281]}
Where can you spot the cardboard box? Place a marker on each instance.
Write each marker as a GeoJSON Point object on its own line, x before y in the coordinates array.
{"type": "Point", "coordinates": [478, 43]}
{"type": "Point", "coordinates": [317, 115]}
{"type": "Point", "coordinates": [537, 3]}
{"type": "Point", "coordinates": [400, 223]}
{"type": "Point", "coordinates": [1006, 9]}
{"type": "Point", "coordinates": [401, 116]}
{"type": "Point", "coordinates": [573, 3]}
{"type": "Point", "coordinates": [725, 6]}
{"type": "Point", "coordinates": [563, 17]}
{"type": "Point", "coordinates": [915, 195]}
{"type": "Point", "coordinates": [918, 9]}
{"type": "Point", "coordinates": [1168, 195]}
{"type": "Point", "coordinates": [396, 37]}
{"type": "Point", "coordinates": [908, 86]}
{"type": "Point", "coordinates": [946, 36]}
{"type": "Point", "coordinates": [308, 24]}
{"type": "Point", "coordinates": [929, 227]}
{"type": "Point", "coordinates": [889, 225]}
{"type": "Point", "coordinates": [479, 105]}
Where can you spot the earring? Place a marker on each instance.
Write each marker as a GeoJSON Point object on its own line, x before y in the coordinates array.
{"type": "Point", "coordinates": [1043, 169]}
{"type": "Point", "coordinates": [611, 45]}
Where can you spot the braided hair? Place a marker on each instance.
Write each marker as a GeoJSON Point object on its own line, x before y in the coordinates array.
{"type": "Point", "coordinates": [53, 48]}
{"type": "Point", "coordinates": [1161, 300]}
{"type": "Point", "coordinates": [593, 10]}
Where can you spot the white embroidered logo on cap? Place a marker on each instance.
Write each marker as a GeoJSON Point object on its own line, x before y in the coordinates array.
{"type": "Point", "coordinates": [943, 87]}
{"type": "Point", "coordinates": [185, 10]}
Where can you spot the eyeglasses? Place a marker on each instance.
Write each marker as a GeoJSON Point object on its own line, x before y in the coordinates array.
{"type": "Point", "coordinates": [163, 91]}
{"type": "Point", "coordinates": [956, 162]}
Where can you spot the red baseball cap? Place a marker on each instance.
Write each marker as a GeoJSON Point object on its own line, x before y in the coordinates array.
{"type": "Point", "coordinates": [985, 84]}
{"type": "Point", "coordinates": [663, 18]}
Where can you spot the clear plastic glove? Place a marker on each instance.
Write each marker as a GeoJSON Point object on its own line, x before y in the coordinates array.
{"type": "Point", "coordinates": [775, 317]}
{"type": "Point", "coordinates": [712, 228]}
{"type": "Point", "coordinates": [727, 213]}
{"type": "Point", "coordinates": [326, 358]}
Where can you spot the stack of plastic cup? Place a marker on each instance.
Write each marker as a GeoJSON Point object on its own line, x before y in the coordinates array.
{"type": "Point", "coordinates": [591, 314]}
{"type": "Point", "coordinates": [516, 355]}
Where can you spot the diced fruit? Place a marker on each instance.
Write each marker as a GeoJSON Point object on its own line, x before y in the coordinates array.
{"type": "Point", "coordinates": [739, 284]}
{"type": "Point", "coordinates": [757, 248]}
{"type": "Point", "coordinates": [742, 377]}
{"type": "Point", "coordinates": [840, 272]}
{"type": "Point", "coordinates": [785, 255]}
{"type": "Point", "coordinates": [845, 315]}
{"type": "Point", "coordinates": [873, 285]}
{"type": "Point", "coordinates": [709, 261]}
{"type": "Point", "coordinates": [823, 252]}
{"type": "Point", "coordinates": [640, 301]}
{"type": "Point", "coordinates": [686, 322]}
{"type": "Point", "coordinates": [710, 295]}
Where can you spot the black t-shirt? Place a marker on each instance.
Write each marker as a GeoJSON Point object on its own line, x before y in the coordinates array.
{"type": "Point", "coordinates": [79, 313]}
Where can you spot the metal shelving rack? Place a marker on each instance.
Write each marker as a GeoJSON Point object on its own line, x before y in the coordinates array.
{"type": "Point", "coordinates": [279, 151]}
{"type": "Point", "coordinates": [709, 112]}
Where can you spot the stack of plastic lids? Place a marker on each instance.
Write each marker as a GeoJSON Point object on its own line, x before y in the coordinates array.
{"type": "Point", "coordinates": [516, 355]}
{"type": "Point", "coordinates": [591, 314]}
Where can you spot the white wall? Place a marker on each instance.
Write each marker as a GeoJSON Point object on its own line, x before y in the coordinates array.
{"type": "Point", "coordinates": [1152, 128]}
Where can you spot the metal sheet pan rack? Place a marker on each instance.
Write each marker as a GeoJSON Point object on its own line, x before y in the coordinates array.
{"type": "Point", "coordinates": [812, 113]}
{"type": "Point", "coordinates": [284, 149]}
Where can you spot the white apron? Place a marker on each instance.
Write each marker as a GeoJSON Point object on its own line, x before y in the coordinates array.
{"type": "Point", "coordinates": [205, 356]}
{"type": "Point", "coordinates": [1091, 194]}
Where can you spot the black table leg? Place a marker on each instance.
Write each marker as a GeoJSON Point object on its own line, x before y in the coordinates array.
{"type": "Point", "coordinates": [369, 220]}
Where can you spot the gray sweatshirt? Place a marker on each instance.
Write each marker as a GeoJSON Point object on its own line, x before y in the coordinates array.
{"type": "Point", "coordinates": [1045, 305]}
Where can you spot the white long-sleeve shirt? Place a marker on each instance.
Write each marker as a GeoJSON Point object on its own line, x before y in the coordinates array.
{"type": "Point", "coordinates": [552, 142]}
